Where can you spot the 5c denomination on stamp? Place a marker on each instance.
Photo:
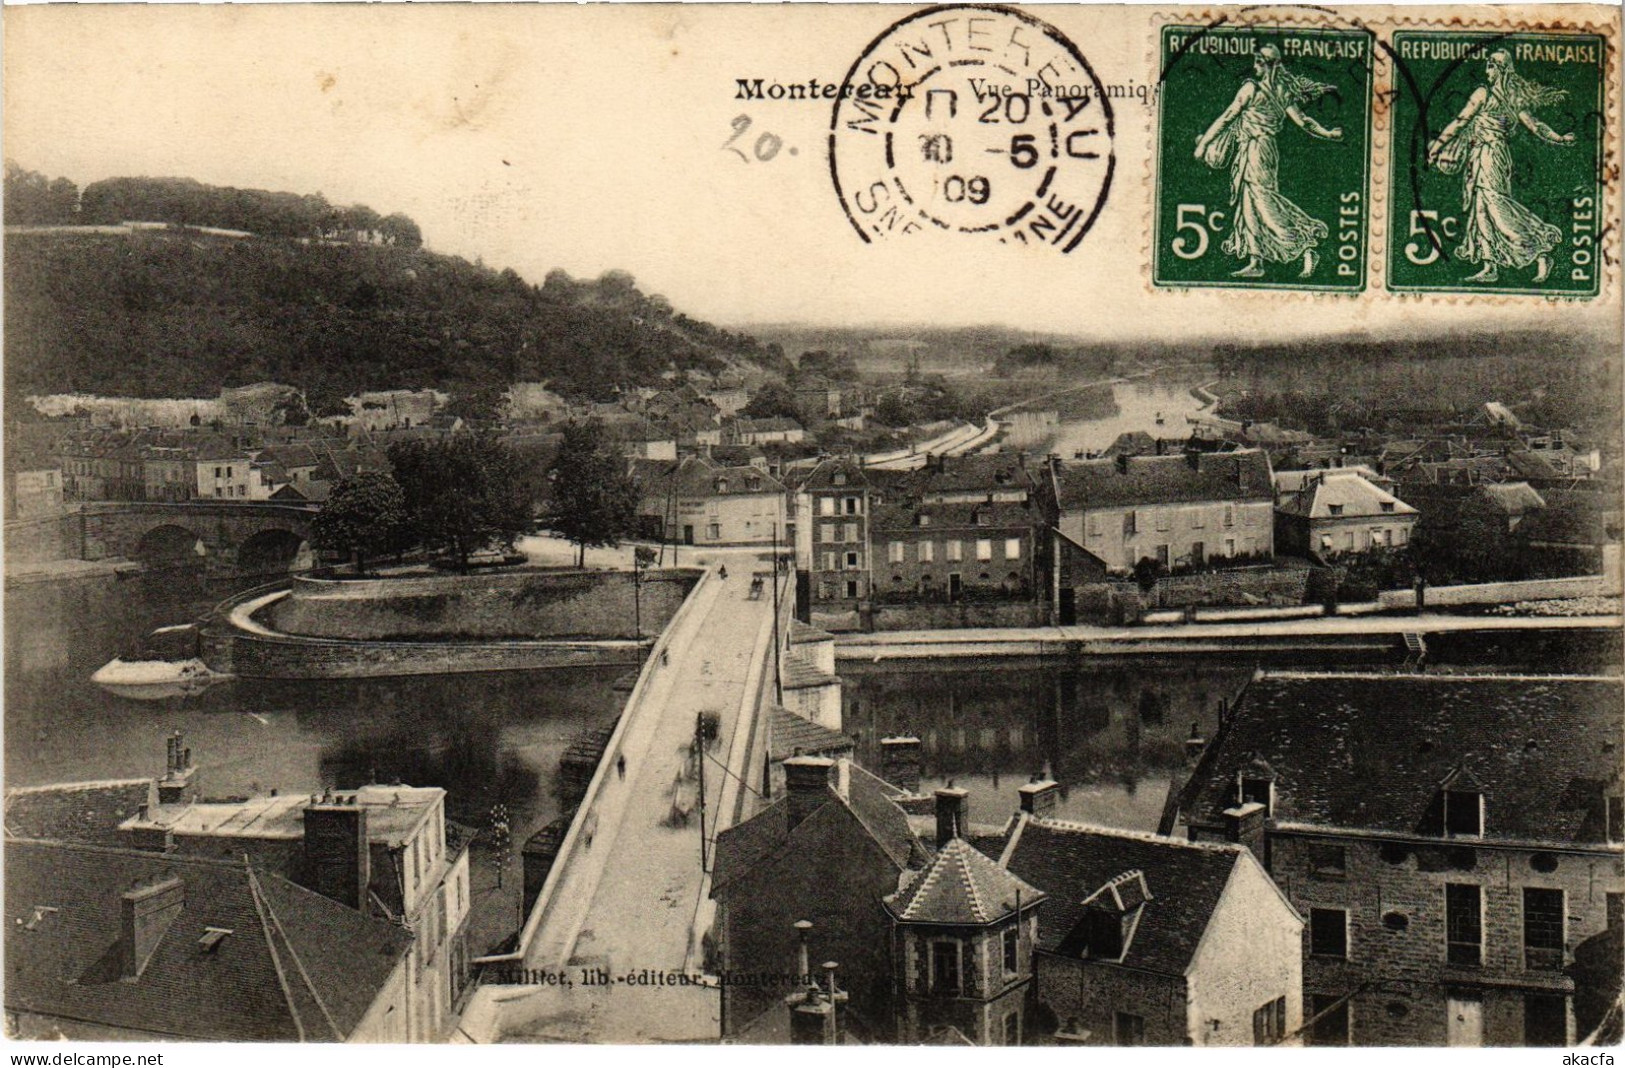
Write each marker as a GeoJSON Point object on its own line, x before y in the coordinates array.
{"type": "Point", "coordinates": [976, 120]}
{"type": "Point", "coordinates": [1496, 162]}
{"type": "Point", "coordinates": [1263, 157]}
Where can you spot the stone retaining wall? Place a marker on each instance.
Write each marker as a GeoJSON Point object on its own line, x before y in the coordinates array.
{"type": "Point", "coordinates": [517, 605]}
{"type": "Point", "coordinates": [256, 656]}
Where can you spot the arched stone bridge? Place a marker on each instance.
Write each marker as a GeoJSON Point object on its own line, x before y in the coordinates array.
{"type": "Point", "coordinates": [247, 537]}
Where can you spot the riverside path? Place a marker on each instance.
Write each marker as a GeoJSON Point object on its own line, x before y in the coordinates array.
{"type": "Point", "coordinates": [630, 904]}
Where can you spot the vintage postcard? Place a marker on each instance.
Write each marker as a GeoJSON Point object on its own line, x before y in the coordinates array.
{"type": "Point", "coordinates": [970, 525]}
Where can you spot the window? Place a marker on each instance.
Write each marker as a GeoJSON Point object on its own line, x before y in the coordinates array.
{"type": "Point", "coordinates": [826, 506]}
{"type": "Point", "coordinates": [1093, 525]}
{"type": "Point", "coordinates": [984, 549]}
{"type": "Point", "coordinates": [714, 531]}
{"type": "Point", "coordinates": [1335, 509]}
{"type": "Point", "coordinates": [1131, 523]}
{"type": "Point", "coordinates": [894, 552]}
{"type": "Point", "coordinates": [1545, 1020]}
{"type": "Point", "coordinates": [1330, 1013]}
{"type": "Point", "coordinates": [954, 553]}
{"type": "Point", "coordinates": [852, 588]}
{"type": "Point", "coordinates": [1128, 1029]}
{"type": "Point", "coordinates": [1328, 860]}
{"type": "Point", "coordinates": [852, 505]}
{"type": "Point", "coordinates": [1325, 543]}
{"type": "Point", "coordinates": [1012, 548]}
{"type": "Point", "coordinates": [1229, 515]}
{"type": "Point", "coordinates": [829, 561]}
{"type": "Point", "coordinates": [1012, 1029]}
{"type": "Point", "coordinates": [928, 551]}
{"type": "Point", "coordinates": [1542, 929]}
{"type": "Point", "coordinates": [1164, 520]}
{"type": "Point", "coordinates": [1260, 790]}
{"type": "Point", "coordinates": [1012, 956]}
{"type": "Point", "coordinates": [1348, 541]}
{"type": "Point", "coordinates": [1463, 924]}
{"type": "Point", "coordinates": [1401, 535]}
{"type": "Point", "coordinates": [1269, 1022]}
{"type": "Point", "coordinates": [1198, 519]}
{"type": "Point", "coordinates": [852, 561]}
{"type": "Point", "coordinates": [1463, 814]}
{"type": "Point", "coordinates": [1163, 555]}
{"type": "Point", "coordinates": [945, 967]}
{"type": "Point", "coordinates": [851, 532]}
{"type": "Point", "coordinates": [1329, 933]}
{"type": "Point", "coordinates": [923, 519]}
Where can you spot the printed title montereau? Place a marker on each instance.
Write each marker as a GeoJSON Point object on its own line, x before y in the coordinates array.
{"type": "Point", "coordinates": [1038, 88]}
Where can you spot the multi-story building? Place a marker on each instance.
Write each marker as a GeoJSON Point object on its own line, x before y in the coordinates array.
{"type": "Point", "coordinates": [1453, 841]}
{"type": "Point", "coordinates": [1146, 940]}
{"type": "Point", "coordinates": [1181, 511]}
{"type": "Point", "coordinates": [1337, 512]}
{"type": "Point", "coordinates": [698, 502]}
{"type": "Point", "coordinates": [832, 534]}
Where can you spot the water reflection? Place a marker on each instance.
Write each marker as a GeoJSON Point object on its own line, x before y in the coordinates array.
{"type": "Point", "coordinates": [1139, 405]}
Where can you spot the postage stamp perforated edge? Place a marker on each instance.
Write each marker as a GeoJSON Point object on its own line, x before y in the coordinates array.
{"type": "Point", "coordinates": [1383, 22]}
{"type": "Point", "coordinates": [1556, 20]}
{"type": "Point", "coordinates": [1265, 18]}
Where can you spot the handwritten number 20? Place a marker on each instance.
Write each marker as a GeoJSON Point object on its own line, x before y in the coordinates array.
{"type": "Point", "coordinates": [767, 145]}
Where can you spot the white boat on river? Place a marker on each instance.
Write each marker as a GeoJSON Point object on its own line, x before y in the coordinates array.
{"type": "Point", "coordinates": [154, 680]}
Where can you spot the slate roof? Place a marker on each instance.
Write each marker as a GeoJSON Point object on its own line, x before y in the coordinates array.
{"type": "Point", "coordinates": [895, 514]}
{"type": "Point", "coordinates": [805, 633]}
{"type": "Point", "coordinates": [77, 811]}
{"type": "Point", "coordinates": [866, 797]}
{"type": "Point", "coordinates": [961, 886]}
{"type": "Point", "coordinates": [1513, 498]}
{"type": "Point", "coordinates": [1243, 474]}
{"type": "Point", "coordinates": [334, 960]}
{"type": "Point", "coordinates": [800, 674]}
{"type": "Point", "coordinates": [1350, 493]}
{"type": "Point", "coordinates": [797, 735]}
{"type": "Point", "coordinates": [1070, 862]}
{"type": "Point", "coordinates": [1370, 752]}
{"type": "Point", "coordinates": [695, 476]}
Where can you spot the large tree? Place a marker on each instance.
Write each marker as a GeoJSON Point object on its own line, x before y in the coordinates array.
{"type": "Point", "coordinates": [364, 516]}
{"type": "Point", "coordinates": [594, 500]}
{"type": "Point", "coordinates": [463, 493]}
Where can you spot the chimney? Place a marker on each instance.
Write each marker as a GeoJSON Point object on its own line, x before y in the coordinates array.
{"type": "Point", "coordinates": [145, 916]}
{"type": "Point", "coordinates": [814, 1011]}
{"type": "Point", "coordinates": [178, 771]}
{"type": "Point", "coordinates": [1193, 457]}
{"type": "Point", "coordinates": [1039, 797]}
{"type": "Point", "coordinates": [953, 814]}
{"type": "Point", "coordinates": [1122, 463]}
{"type": "Point", "coordinates": [806, 784]}
{"type": "Point", "coordinates": [1244, 825]}
{"type": "Point", "coordinates": [337, 854]}
{"type": "Point", "coordinates": [900, 763]}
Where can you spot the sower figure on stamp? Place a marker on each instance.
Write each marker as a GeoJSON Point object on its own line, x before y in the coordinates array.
{"type": "Point", "coordinates": [1267, 226]}
{"type": "Point", "coordinates": [1498, 231]}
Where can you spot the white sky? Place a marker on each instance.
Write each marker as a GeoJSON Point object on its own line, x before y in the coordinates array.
{"type": "Point", "coordinates": [590, 137]}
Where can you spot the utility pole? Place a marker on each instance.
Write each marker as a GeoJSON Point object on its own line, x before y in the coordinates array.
{"type": "Point", "coordinates": [778, 674]}
{"type": "Point", "coordinates": [699, 758]}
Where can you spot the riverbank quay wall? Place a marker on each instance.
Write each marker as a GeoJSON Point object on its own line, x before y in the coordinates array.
{"type": "Point", "coordinates": [261, 651]}
{"type": "Point", "coordinates": [518, 605]}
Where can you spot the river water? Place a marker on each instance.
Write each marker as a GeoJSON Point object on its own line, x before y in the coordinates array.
{"type": "Point", "coordinates": [1140, 403]}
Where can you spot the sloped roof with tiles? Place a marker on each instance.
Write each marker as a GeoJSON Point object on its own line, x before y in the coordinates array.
{"type": "Point", "coordinates": [1372, 752]}
{"type": "Point", "coordinates": [795, 735]}
{"type": "Point", "coordinates": [77, 811]}
{"type": "Point", "coordinates": [293, 965]}
{"type": "Point", "coordinates": [1074, 863]}
{"type": "Point", "coordinates": [1243, 474]}
{"type": "Point", "coordinates": [1341, 493]}
{"type": "Point", "coordinates": [867, 799]}
{"type": "Point", "coordinates": [961, 886]}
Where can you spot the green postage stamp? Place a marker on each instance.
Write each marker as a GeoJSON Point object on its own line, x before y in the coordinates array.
{"type": "Point", "coordinates": [1264, 157]}
{"type": "Point", "coordinates": [1496, 162]}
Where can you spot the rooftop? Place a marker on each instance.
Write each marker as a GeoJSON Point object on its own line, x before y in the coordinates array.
{"type": "Point", "coordinates": [1371, 752]}
{"type": "Point", "coordinates": [1071, 862]}
{"type": "Point", "coordinates": [393, 814]}
{"type": "Point", "coordinates": [1243, 474]}
{"type": "Point", "coordinates": [961, 886]}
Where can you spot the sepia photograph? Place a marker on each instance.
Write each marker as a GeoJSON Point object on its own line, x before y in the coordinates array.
{"type": "Point", "coordinates": [1059, 525]}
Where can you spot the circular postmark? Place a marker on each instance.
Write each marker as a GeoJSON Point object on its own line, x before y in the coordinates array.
{"type": "Point", "coordinates": [972, 119]}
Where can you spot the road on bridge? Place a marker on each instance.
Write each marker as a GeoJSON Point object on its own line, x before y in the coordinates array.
{"type": "Point", "coordinates": [639, 920]}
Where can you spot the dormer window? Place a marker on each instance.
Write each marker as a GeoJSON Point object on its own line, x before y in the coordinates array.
{"type": "Point", "coordinates": [1387, 506]}
{"type": "Point", "coordinates": [1110, 917]}
{"type": "Point", "coordinates": [1463, 814]}
{"type": "Point", "coordinates": [1335, 509]}
{"type": "Point", "coordinates": [839, 478]}
{"type": "Point", "coordinates": [923, 519]}
{"type": "Point", "coordinates": [1256, 783]}
{"type": "Point", "coordinates": [722, 485]}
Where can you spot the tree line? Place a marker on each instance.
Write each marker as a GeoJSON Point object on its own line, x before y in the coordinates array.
{"type": "Point", "coordinates": [33, 199]}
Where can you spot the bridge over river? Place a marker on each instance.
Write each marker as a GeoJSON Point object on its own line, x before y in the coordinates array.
{"type": "Point", "coordinates": [628, 893]}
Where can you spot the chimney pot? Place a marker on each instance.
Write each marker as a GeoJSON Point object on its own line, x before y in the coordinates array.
{"type": "Point", "coordinates": [952, 814]}
{"type": "Point", "coordinates": [1244, 825]}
